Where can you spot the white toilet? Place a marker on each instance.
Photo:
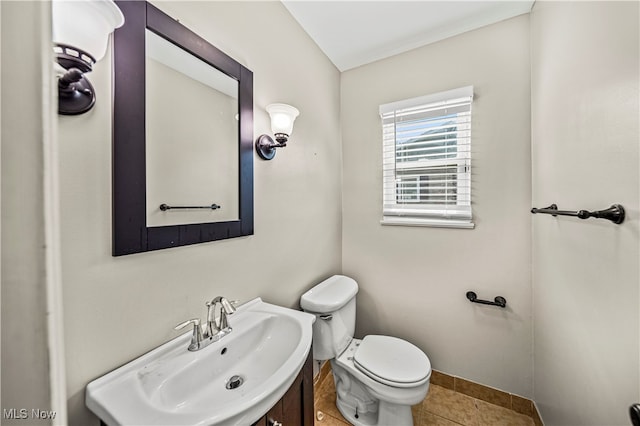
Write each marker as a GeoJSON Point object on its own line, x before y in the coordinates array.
{"type": "Point", "coordinates": [377, 378]}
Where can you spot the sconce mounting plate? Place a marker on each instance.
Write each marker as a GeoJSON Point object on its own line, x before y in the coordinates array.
{"type": "Point", "coordinates": [75, 92]}
{"type": "Point", "coordinates": [265, 147]}
{"type": "Point", "coordinates": [76, 98]}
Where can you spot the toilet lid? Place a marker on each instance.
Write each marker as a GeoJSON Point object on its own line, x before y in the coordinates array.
{"type": "Point", "coordinates": [392, 361]}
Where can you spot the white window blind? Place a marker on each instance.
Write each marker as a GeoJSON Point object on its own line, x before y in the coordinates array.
{"type": "Point", "coordinates": [427, 159]}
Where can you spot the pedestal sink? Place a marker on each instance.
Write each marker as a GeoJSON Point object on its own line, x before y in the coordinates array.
{"type": "Point", "coordinates": [235, 380]}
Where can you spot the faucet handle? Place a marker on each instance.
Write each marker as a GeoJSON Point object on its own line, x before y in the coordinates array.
{"type": "Point", "coordinates": [194, 321]}
{"type": "Point", "coordinates": [196, 337]}
{"type": "Point", "coordinates": [229, 307]}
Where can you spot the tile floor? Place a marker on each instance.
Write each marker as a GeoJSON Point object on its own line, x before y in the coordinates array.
{"type": "Point", "coordinates": [441, 407]}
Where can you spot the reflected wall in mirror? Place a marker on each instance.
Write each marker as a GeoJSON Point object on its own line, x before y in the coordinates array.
{"type": "Point", "coordinates": [183, 136]}
{"type": "Point", "coordinates": [190, 108]}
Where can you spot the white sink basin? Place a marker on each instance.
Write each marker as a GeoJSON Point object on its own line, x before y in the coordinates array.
{"type": "Point", "coordinates": [172, 386]}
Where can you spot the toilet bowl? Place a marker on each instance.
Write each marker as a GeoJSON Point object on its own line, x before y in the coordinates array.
{"type": "Point", "coordinates": [378, 378]}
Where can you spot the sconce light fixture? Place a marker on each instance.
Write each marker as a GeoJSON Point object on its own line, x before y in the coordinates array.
{"type": "Point", "coordinates": [282, 118]}
{"type": "Point", "coordinates": [80, 35]}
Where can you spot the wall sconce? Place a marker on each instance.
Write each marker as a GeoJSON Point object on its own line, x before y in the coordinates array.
{"type": "Point", "coordinates": [80, 35]}
{"type": "Point", "coordinates": [282, 118]}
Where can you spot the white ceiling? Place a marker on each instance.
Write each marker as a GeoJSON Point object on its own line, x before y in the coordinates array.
{"type": "Point", "coordinates": [354, 33]}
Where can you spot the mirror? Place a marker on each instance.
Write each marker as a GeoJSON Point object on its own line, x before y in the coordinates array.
{"type": "Point", "coordinates": [182, 137]}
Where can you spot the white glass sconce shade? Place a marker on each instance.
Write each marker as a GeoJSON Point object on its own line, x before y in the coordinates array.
{"type": "Point", "coordinates": [80, 36]}
{"type": "Point", "coordinates": [282, 118]}
{"type": "Point", "coordinates": [85, 25]}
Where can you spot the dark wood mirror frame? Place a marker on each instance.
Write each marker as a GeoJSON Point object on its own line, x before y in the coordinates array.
{"type": "Point", "coordinates": [130, 231]}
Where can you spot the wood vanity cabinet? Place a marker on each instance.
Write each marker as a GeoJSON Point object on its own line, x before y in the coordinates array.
{"type": "Point", "coordinates": [296, 406]}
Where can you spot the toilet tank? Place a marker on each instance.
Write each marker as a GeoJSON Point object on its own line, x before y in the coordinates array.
{"type": "Point", "coordinates": [333, 302]}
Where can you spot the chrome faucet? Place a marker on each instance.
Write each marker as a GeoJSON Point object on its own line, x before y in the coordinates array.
{"type": "Point", "coordinates": [212, 331]}
{"type": "Point", "coordinates": [226, 308]}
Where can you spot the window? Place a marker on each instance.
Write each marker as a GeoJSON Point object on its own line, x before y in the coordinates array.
{"type": "Point", "coordinates": [427, 160]}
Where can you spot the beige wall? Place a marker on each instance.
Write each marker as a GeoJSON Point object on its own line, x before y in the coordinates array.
{"type": "Point", "coordinates": [413, 280]}
{"type": "Point", "coordinates": [24, 66]}
{"type": "Point", "coordinates": [585, 138]}
{"type": "Point", "coordinates": [118, 308]}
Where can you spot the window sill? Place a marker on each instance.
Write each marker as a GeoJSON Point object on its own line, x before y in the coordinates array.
{"type": "Point", "coordinates": [434, 223]}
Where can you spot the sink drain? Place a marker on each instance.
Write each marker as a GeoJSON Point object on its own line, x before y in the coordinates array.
{"type": "Point", "coordinates": [234, 382]}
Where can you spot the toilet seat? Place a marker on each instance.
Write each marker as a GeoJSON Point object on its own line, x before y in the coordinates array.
{"type": "Point", "coordinates": [392, 361]}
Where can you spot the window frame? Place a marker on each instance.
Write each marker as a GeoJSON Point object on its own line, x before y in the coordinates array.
{"type": "Point", "coordinates": [440, 213]}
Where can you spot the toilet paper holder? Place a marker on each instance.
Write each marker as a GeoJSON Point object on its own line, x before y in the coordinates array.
{"type": "Point", "coordinates": [497, 301]}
